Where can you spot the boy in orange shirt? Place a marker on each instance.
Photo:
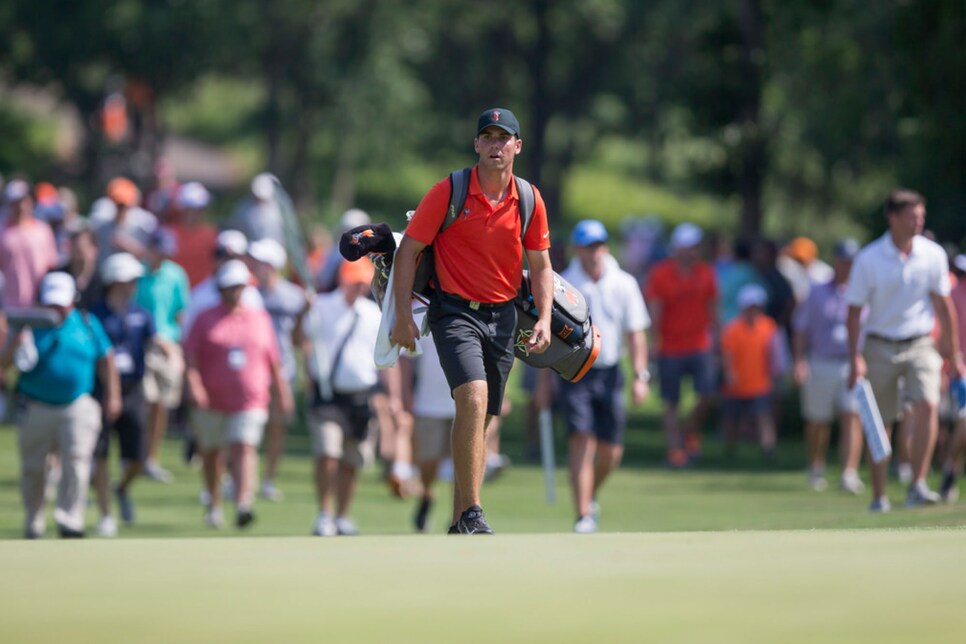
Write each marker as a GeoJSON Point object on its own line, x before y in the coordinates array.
{"type": "Point", "coordinates": [749, 353]}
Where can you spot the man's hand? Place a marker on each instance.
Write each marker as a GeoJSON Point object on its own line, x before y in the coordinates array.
{"type": "Point", "coordinates": [640, 390]}
{"type": "Point", "coordinates": [112, 407]}
{"type": "Point", "coordinates": [404, 333]}
{"type": "Point", "coordinates": [539, 340]}
{"type": "Point", "coordinates": [857, 369]}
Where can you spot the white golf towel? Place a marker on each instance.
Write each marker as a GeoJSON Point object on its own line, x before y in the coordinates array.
{"type": "Point", "coordinates": [872, 425]}
{"type": "Point", "coordinates": [386, 353]}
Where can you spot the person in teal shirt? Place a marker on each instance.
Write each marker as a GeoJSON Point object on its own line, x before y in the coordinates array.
{"type": "Point", "coordinates": [55, 409]}
{"type": "Point", "coordinates": [163, 290]}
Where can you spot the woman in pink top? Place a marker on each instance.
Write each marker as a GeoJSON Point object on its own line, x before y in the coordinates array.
{"type": "Point", "coordinates": [233, 367]}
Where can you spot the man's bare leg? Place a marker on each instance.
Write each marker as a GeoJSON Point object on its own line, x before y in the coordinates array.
{"type": "Point", "coordinates": [608, 457]}
{"type": "Point", "coordinates": [469, 444]}
{"type": "Point", "coordinates": [582, 454]}
{"type": "Point", "coordinates": [923, 438]}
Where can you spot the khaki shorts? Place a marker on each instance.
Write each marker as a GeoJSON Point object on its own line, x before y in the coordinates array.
{"type": "Point", "coordinates": [918, 364]}
{"type": "Point", "coordinates": [331, 439]}
{"type": "Point", "coordinates": [215, 429]}
{"type": "Point", "coordinates": [431, 439]}
{"type": "Point", "coordinates": [825, 394]}
{"type": "Point", "coordinates": [163, 376]}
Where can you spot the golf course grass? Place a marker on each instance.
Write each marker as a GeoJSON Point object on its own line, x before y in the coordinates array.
{"type": "Point", "coordinates": [729, 551]}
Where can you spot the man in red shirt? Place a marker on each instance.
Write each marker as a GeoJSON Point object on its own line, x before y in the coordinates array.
{"type": "Point", "coordinates": [479, 260]}
{"type": "Point", "coordinates": [682, 297]}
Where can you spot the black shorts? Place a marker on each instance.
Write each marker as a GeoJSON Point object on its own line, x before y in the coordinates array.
{"type": "Point", "coordinates": [129, 428]}
{"type": "Point", "coordinates": [474, 344]}
{"type": "Point", "coordinates": [595, 404]}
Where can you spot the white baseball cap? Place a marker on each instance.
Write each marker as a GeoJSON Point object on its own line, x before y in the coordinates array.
{"type": "Point", "coordinates": [194, 196]}
{"type": "Point", "coordinates": [232, 273]}
{"type": "Point", "coordinates": [960, 262]}
{"type": "Point", "coordinates": [232, 241]}
{"type": "Point", "coordinates": [354, 217]}
{"type": "Point", "coordinates": [263, 186]}
{"type": "Point", "coordinates": [268, 251]}
{"type": "Point", "coordinates": [58, 289]}
{"type": "Point", "coordinates": [16, 190]}
{"type": "Point", "coordinates": [686, 235]}
{"type": "Point", "coordinates": [752, 295]}
{"type": "Point", "coordinates": [121, 267]}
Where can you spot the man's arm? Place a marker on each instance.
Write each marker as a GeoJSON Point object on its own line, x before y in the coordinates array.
{"type": "Point", "coordinates": [950, 331]}
{"type": "Point", "coordinates": [404, 330]}
{"type": "Point", "coordinates": [798, 351]}
{"type": "Point", "coordinates": [541, 285]}
{"type": "Point", "coordinates": [637, 342]}
{"type": "Point", "coordinates": [857, 366]}
{"type": "Point", "coordinates": [282, 389]}
{"type": "Point", "coordinates": [111, 381]}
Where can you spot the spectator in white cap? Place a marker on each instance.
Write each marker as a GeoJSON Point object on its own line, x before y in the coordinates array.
{"type": "Point", "coordinates": [131, 330]}
{"type": "Point", "coordinates": [57, 412]}
{"type": "Point", "coordinates": [163, 291]}
{"type": "Point", "coordinates": [682, 297]}
{"type": "Point", "coordinates": [27, 247]}
{"type": "Point", "coordinates": [328, 277]}
{"type": "Point", "coordinates": [286, 304]}
{"type": "Point", "coordinates": [749, 353]}
{"type": "Point", "coordinates": [258, 216]}
{"type": "Point", "coordinates": [195, 238]}
{"type": "Point", "coordinates": [233, 370]}
{"type": "Point", "coordinates": [230, 244]}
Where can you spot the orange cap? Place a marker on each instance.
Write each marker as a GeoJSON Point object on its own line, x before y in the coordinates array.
{"type": "Point", "coordinates": [802, 249]}
{"type": "Point", "coordinates": [360, 271]}
{"type": "Point", "coordinates": [46, 193]}
{"type": "Point", "coordinates": [122, 191]}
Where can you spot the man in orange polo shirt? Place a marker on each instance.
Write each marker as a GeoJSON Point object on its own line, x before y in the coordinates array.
{"type": "Point", "coordinates": [479, 260]}
{"type": "Point", "coordinates": [682, 297]}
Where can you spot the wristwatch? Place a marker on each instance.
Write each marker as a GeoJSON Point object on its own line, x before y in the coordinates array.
{"type": "Point", "coordinates": [642, 374]}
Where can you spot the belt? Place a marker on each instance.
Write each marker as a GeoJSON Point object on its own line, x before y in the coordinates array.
{"type": "Point", "coordinates": [882, 338]}
{"type": "Point", "coordinates": [473, 304]}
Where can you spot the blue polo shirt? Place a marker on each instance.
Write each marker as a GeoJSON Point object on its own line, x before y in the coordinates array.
{"type": "Point", "coordinates": [129, 332]}
{"type": "Point", "coordinates": [164, 293]}
{"type": "Point", "coordinates": [67, 360]}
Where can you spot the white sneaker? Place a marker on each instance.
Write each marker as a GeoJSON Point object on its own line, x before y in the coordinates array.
{"type": "Point", "coordinates": [204, 497]}
{"type": "Point", "coordinates": [586, 525]}
{"type": "Point", "coordinates": [346, 527]}
{"type": "Point", "coordinates": [904, 472]}
{"type": "Point", "coordinates": [851, 483]}
{"type": "Point", "coordinates": [880, 505]}
{"type": "Point", "coordinates": [919, 494]}
{"type": "Point", "coordinates": [154, 471]}
{"type": "Point", "coordinates": [816, 480]}
{"type": "Point", "coordinates": [594, 508]}
{"type": "Point", "coordinates": [271, 493]}
{"type": "Point", "coordinates": [107, 527]}
{"type": "Point", "coordinates": [324, 526]}
{"type": "Point", "coordinates": [214, 517]}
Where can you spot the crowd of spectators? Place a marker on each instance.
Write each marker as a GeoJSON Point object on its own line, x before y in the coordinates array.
{"type": "Point", "coordinates": [158, 317]}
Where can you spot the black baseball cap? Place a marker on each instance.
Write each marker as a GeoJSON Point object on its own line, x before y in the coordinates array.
{"type": "Point", "coordinates": [500, 117]}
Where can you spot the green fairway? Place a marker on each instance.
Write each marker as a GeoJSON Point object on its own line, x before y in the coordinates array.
{"type": "Point", "coordinates": [778, 586]}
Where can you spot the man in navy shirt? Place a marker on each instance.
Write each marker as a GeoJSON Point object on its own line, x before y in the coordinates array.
{"type": "Point", "coordinates": [130, 328]}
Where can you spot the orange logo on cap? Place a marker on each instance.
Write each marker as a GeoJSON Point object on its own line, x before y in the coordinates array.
{"type": "Point", "coordinates": [496, 115]}
{"type": "Point", "coordinates": [565, 332]}
{"type": "Point", "coordinates": [359, 235]}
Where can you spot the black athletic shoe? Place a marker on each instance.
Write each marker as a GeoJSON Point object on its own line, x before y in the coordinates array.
{"type": "Point", "coordinates": [422, 513]}
{"type": "Point", "coordinates": [244, 518]}
{"type": "Point", "coordinates": [69, 533]}
{"type": "Point", "coordinates": [948, 490]}
{"type": "Point", "coordinates": [454, 529]}
{"type": "Point", "coordinates": [472, 521]}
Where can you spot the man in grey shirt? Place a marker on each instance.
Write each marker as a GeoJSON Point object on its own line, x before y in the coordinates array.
{"type": "Point", "coordinates": [286, 304]}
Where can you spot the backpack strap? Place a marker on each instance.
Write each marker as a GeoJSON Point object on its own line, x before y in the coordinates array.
{"type": "Point", "coordinates": [459, 181]}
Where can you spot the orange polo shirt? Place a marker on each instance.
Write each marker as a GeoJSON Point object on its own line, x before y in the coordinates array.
{"type": "Point", "coordinates": [479, 257]}
{"type": "Point", "coordinates": [747, 354]}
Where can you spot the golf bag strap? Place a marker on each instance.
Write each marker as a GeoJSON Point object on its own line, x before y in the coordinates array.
{"type": "Point", "coordinates": [459, 181]}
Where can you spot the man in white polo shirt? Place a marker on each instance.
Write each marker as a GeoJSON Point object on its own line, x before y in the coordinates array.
{"type": "Point", "coordinates": [903, 278]}
{"type": "Point", "coordinates": [594, 406]}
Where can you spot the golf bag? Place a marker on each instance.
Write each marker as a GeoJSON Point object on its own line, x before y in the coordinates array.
{"type": "Point", "coordinates": [574, 340]}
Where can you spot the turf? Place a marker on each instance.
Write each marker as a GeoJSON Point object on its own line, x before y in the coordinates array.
{"type": "Point", "coordinates": [775, 586]}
